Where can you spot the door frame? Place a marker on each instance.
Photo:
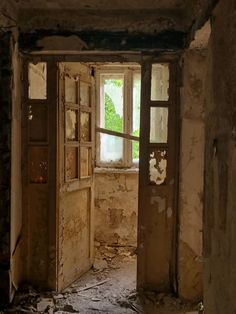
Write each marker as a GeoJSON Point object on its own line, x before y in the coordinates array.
{"type": "Point", "coordinates": [170, 282]}
{"type": "Point", "coordinates": [110, 57]}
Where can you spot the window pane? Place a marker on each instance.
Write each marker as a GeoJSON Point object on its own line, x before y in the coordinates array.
{"type": "Point", "coordinates": [112, 105]}
{"type": "Point", "coordinates": [38, 122]}
{"type": "Point", "coordinates": [135, 151]}
{"type": "Point", "coordinates": [71, 125]}
{"type": "Point", "coordinates": [159, 125]}
{"type": "Point", "coordinates": [85, 134]}
{"type": "Point", "coordinates": [84, 94]}
{"type": "Point", "coordinates": [157, 166]}
{"type": "Point", "coordinates": [136, 103]}
{"type": "Point", "coordinates": [160, 82]}
{"type": "Point", "coordinates": [71, 163]}
{"type": "Point", "coordinates": [38, 162]}
{"type": "Point", "coordinates": [111, 148]}
{"type": "Point", "coordinates": [85, 162]}
{"type": "Point", "coordinates": [37, 74]}
{"type": "Point", "coordinates": [70, 90]}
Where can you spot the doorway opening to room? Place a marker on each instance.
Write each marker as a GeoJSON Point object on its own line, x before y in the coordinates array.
{"type": "Point", "coordinates": [100, 142]}
{"type": "Point", "coordinates": [100, 145]}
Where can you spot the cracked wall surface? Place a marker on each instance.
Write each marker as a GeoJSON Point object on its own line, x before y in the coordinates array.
{"type": "Point", "coordinates": [116, 207]}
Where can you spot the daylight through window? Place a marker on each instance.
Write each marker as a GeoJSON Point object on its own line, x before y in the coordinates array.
{"type": "Point", "coordinates": [118, 116]}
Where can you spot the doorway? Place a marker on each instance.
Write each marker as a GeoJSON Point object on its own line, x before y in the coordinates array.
{"type": "Point", "coordinates": [64, 169]}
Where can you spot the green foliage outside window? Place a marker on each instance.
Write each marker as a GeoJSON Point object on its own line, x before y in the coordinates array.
{"type": "Point", "coordinates": [114, 122]}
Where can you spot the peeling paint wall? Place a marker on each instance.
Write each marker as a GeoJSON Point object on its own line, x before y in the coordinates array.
{"type": "Point", "coordinates": [220, 170]}
{"type": "Point", "coordinates": [116, 207]}
{"type": "Point", "coordinates": [74, 236]}
{"type": "Point", "coordinates": [191, 175]}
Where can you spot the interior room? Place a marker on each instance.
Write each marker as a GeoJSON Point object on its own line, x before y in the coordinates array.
{"type": "Point", "coordinates": [117, 156]}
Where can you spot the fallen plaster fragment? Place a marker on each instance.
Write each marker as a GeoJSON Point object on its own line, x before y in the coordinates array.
{"type": "Point", "coordinates": [44, 304]}
{"type": "Point", "coordinates": [58, 296]}
{"type": "Point", "coordinates": [99, 264]}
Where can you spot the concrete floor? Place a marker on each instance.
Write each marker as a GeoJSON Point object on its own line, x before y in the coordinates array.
{"type": "Point", "coordinates": [107, 288]}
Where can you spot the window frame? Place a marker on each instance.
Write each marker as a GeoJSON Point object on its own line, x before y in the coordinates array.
{"type": "Point", "coordinates": [127, 72]}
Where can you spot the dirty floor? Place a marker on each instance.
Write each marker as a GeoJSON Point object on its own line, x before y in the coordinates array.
{"type": "Point", "coordinates": [109, 287]}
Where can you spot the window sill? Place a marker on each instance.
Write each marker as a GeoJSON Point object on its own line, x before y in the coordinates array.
{"type": "Point", "coordinates": [115, 170]}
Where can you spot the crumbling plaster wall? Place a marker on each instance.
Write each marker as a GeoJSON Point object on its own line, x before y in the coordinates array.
{"type": "Point", "coordinates": [220, 169]}
{"type": "Point", "coordinates": [116, 207]}
{"type": "Point", "coordinates": [191, 175]}
{"type": "Point", "coordinates": [74, 242]}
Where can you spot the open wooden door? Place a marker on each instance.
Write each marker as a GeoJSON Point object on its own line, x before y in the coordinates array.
{"type": "Point", "coordinates": [158, 176]}
{"type": "Point", "coordinates": [39, 171]}
{"type": "Point", "coordinates": [75, 180]}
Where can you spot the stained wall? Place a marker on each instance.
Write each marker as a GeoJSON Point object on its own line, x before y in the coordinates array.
{"type": "Point", "coordinates": [220, 170]}
{"type": "Point", "coordinates": [116, 207]}
{"type": "Point", "coordinates": [191, 174]}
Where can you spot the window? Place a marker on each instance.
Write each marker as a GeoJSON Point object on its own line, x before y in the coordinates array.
{"type": "Point", "coordinates": [118, 116]}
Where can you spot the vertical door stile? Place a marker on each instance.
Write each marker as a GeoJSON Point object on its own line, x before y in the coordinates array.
{"type": "Point", "coordinates": [158, 184]}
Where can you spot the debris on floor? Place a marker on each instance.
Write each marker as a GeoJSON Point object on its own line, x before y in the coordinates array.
{"type": "Point", "coordinates": [109, 287]}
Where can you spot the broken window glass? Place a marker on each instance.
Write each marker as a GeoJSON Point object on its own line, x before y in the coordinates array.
{"type": "Point", "coordinates": [112, 106]}
{"type": "Point", "coordinates": [159, 125]}
{"type": "Point", "coordinates": [37, 76]}
{"type": "Point", "coordinates": [160, 82]}
{"type": "Point", "coordinates": [119, 116]}
{"type": "Point", "coordinates": [157, 166]}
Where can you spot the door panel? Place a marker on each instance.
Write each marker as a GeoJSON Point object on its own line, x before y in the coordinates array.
{"type": "Point", "coordinates": [157, 181]}
{"type": "Point", "coordinates": [76, 140]}
{"type": "Point", "coordinates": [39, 172]}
